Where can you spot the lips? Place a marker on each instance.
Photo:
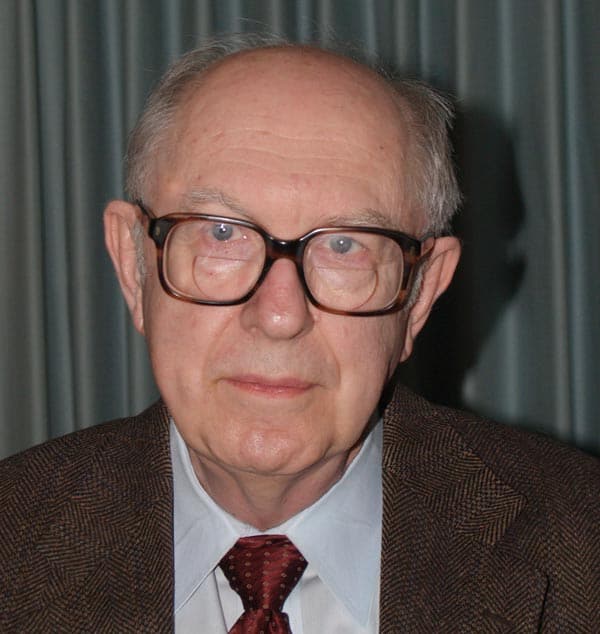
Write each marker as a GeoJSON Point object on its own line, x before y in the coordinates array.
{"type": "Point", "coordinates": [270, 387]}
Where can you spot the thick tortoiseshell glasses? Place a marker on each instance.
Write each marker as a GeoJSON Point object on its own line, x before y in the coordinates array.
{"type": "Point", "coordinates": [221, 261]}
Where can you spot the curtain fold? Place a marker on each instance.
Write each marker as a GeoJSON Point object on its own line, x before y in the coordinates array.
{"type": "Point", "coordinates": [517, 337]}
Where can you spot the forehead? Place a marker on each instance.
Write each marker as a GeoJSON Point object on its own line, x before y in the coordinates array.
{"type": "Point", "coordinates": [313, 119]}
{"type": "Point", "coordinates": [298, 93]}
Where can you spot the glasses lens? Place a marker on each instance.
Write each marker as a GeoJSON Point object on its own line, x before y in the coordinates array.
{"type": "Point", "coordinates": [212, 260]}
{"type": "Point", "coordinates": [354, 270]}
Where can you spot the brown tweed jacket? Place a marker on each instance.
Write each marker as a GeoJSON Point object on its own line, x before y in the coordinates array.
{"type": "Point", "coordinates": [485, 529]}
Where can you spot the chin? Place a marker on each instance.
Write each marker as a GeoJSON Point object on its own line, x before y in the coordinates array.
{"type": "Point", "coordinates": [273, 456]}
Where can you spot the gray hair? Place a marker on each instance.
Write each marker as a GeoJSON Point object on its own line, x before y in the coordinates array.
{"type": "Point", "coordinates": [432, 181]}
{"type": "Point", "coordinates": [432, 184]}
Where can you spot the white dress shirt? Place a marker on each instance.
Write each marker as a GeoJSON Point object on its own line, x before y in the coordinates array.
{"type": "Point", "coordinates": [339, 535]}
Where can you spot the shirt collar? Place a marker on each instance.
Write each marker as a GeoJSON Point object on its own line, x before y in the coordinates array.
{"type": "Point", "coordinates": [347, 519]}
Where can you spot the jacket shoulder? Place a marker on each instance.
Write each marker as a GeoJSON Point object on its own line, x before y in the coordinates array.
{"type": "Point", "coordinates": [86, 468]}
{"type": "Point", "coordinates": [510, 493]}
{"type": "Point", "coordinates": [106, 444]}
{"type": "Point", "coordinates": [85, 524]}
{"type": "Point", "coordinates": [522, 458]}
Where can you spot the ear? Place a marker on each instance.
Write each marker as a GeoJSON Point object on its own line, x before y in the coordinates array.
{"type": "Point", "coordinates": [436, 277]}
{"type": "Point", "coordinates": [120, 219]}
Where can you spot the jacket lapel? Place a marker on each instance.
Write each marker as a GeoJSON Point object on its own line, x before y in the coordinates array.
{"type": "Point", "coordinates": [445, 514]}
{"type": "Point", "coordinates": [118, 572]}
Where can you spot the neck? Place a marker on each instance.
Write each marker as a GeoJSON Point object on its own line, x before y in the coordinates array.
{"type": "Point", "coordinates": [265, 501]}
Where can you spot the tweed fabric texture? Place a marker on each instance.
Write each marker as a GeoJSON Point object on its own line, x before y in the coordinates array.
{"type": "Point", "coordinates": [485, 529]}
{"type": "Point", "coordinates": [263, 570]}
{"type": "Point", "coordinates": [86, 541]}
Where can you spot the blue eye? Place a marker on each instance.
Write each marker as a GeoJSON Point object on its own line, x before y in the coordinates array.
{"type": "Point", "coordinates": [341, 244]}
{"type": "Point", "coordinates": [222, 232]}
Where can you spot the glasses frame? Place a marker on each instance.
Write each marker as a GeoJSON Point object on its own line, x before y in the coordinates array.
{"type": "Point", "coordinates": [413, 252]}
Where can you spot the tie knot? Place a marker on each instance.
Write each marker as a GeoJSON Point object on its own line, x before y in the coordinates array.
{"type": "Point", "coordinates": [263, 570]}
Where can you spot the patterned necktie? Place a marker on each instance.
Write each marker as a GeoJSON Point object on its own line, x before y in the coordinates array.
{"type": "Point", "coordinates": [263, 570]}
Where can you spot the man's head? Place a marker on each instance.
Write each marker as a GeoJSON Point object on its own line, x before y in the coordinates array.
{"type": "Point", "coordinates": [289, 138]}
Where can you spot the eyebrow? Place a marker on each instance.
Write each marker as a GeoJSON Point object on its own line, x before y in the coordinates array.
{"type": "Point", "coordinates": [363, 217]}
{"type": "Point", "coordinates": [196, 197]}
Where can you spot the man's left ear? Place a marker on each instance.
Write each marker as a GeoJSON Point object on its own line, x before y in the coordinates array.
{"type": "Point", "coordinates": [436, 277]}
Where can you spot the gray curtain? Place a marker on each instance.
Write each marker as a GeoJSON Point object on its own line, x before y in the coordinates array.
{"type": "Point", "coordinates": [517, 338]}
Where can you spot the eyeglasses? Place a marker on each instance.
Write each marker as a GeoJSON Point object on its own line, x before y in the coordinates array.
{"type": "Point", "coordinates": [220, 261]}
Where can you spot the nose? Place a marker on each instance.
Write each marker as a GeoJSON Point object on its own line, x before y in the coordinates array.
{"type": "Point", "coordinates": [279, 308]}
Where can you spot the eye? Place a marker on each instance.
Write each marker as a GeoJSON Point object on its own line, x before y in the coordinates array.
{"type": "Point", "coordinates": [222, 231]}
{"type": "Point", "coordinates": [341, 244]}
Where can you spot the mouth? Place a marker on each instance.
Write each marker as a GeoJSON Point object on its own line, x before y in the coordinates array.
{"type": "Point", "coordinates": [283, 387]}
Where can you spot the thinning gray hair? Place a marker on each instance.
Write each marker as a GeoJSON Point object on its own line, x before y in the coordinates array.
{"type": "Point", "coordinates": [431, 180]}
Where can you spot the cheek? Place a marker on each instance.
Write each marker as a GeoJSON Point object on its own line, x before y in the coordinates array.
{"type": "Point", "coordinates": [368, 352]}
{"type": "Point", "coordinates": [179, 336]}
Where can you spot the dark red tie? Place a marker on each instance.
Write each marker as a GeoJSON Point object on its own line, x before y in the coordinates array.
{"type": "Point", "coordinates": [263, 570]}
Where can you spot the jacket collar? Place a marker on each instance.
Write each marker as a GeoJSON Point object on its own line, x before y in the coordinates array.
{"type": "Point", "coordinates": [445, 514]}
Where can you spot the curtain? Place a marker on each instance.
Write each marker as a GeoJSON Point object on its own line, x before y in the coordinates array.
{"type": "Point", "coordinates": [517, 338]}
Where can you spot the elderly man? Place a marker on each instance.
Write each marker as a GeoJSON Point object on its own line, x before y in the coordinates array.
{"type": "Point", "coordinates": [283, 245]}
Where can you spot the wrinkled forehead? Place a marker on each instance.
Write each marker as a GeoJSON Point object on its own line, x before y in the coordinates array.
{"type": "Point", "coordinates": [301, 112]}
{"type": "Point", "coordinates": [297, 93]}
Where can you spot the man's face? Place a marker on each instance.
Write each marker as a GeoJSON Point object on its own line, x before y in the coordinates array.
{"type": "Point", "coordinates": [296, 141]}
